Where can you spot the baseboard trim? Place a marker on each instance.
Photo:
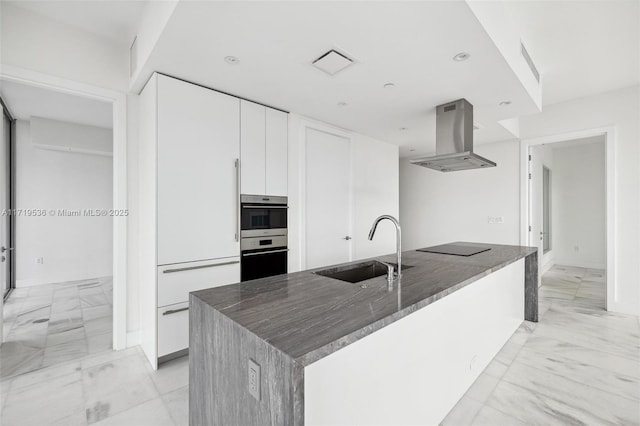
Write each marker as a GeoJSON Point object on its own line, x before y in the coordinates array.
{"type": "Point", "coordinates": [589, 265]}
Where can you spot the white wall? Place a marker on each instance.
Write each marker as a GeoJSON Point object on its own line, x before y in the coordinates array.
{"type": "Point", "coordinates": [619, 108]}
{"type": "Point", "coordinates": [497, 190]}
{"type": "Point", "coordinates": [579, 206]}
{"type": "Point", "coordinates": [438, 208]}
{"type": "Point", "coordinates": [72, 248]}
{"type": "Point", "coordinates": [34, 42]}
{"type": "Point", "coordinates": [375, 185]}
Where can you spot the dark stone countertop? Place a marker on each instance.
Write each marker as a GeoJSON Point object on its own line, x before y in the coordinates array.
{"type": "Point", "coordinates": [309, 316]}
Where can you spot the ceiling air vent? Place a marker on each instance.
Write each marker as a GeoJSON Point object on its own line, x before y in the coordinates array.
{"type": "Point", "coordinates": [529, 61]}
{"type": "Point", "coordinates": [332, 62]}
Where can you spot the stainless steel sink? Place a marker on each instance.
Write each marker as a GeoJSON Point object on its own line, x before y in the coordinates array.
{"type": "Point", "coordinates": [358, 272]}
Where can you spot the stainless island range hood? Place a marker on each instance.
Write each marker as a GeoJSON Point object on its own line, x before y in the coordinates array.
{"type": "Point", "coordinates": [454, 140]}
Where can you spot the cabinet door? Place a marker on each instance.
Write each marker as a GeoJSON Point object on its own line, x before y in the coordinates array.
{"type": "Point", "coordinates": [252, 147]}
{"type": "Point", "coordinates": [276, 152]}
{"type": "Point", "coordinates": [175, 282]}
{"type": "Point", "coordinates": [173, 328]}
{"type": "Point", "coordinates": [198, 145]}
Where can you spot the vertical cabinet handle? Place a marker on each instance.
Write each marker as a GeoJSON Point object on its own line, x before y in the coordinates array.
{"type": "Point", "coordinates": [237, 164]}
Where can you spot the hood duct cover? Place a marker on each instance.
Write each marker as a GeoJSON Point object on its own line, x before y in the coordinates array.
{"type": "Point", "coordinates": [454, 140]}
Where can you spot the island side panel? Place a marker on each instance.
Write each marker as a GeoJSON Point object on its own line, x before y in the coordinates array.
{"type": "Point", "coordinates": [414, 370]}
{"type": "Point", "coordinates": [531, 287]}
{"type": "Point", "coordinates": [219, 354]}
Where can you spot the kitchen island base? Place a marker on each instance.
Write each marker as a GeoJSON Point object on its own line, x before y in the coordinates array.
{"type": "Point", "coordinates": [331, 352]}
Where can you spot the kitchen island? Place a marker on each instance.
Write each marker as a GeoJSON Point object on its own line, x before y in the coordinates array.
{"type": "Point", "coordinates": [303, 348]}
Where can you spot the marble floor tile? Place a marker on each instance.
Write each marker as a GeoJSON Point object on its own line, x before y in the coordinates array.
{"type": "Point", "coordinates": [496, 369]}
{"type": "Point", "coordinates": [590, 356]}
{"type": "Point", "coordinates": [44, 375]}
{"type": "Point", "coordinates": [559, 398]}
{"type": "Point", "coordinates": [463, 413]}
{"type": "Point", "coordinates": [172, 375]}
{"type": "Point", "coordinates": [151, 413]}
{"type": "Point", "coordinates": [100, 342]}
{"type": "Point", "coordinates": [555, 294]}
{"type": "Point", "coordinates": [92, 299]}
{"type": "Point", "coordinates": [601, 341]}
{"type": "Point", "coordinates": [508, 353]}
{"type": "Point", "coordinates": [116, 386]}
{"type": "Point", "coordinates": [481, 389]}
{"type": "Point", "coordinates": [65, 293]}
{"type": "Point", "coordinates": [69, 303]}
{"type": "Point", "coordinates": [109, 356]}
{"type": "Point", "coordinates": [177, 402]}
{"type": "Point", "coordinates": [57, 399]}
{"type": "Point", "coordinates": [99, 325]}
{"type": "Point", "coordinates": [18, 358]}
{"type": "Point", "coordinates": [65, 351]}
{"type": "Point", "coordinates": [489, 416]}
{"type": "Point", "coordinates": [589, 375]}
{"type": "Point", "coordinates": [77, 333]}
{"type": "Point", "coordinates": [93, 312]}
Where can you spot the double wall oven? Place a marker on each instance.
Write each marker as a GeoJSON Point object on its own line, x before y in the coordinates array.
{"type": "Point", "coordinates": [263, 242]}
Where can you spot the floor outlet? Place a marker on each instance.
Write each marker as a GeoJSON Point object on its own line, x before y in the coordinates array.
{"type": "Point", "coordinates": [254, 379]}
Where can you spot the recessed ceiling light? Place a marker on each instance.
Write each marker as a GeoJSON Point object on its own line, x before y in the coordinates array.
{"type": "Point", "coordinates": [505, 103]}
{"type": "Point", "coordinates": [462, 56]}
{"type": "Point", "coordinates": [231, 60]}
{"type": "Point", "coordinates": [389, 86]}
{"type": "Point", "coordinates": [402, 129]}
{"type": "Point", "coordinates": [342, 104]}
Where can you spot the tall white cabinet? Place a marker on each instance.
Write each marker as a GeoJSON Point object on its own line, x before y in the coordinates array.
{"type": "Point", "coordinates": [264, 145]}
{"type": "Point", "coordinates": [189, 201]}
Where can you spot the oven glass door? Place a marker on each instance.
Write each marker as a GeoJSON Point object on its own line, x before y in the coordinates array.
{"type": "Point", "coordinates": [263, 217]}
{"type": "Point", "coordinates": [263, 264]}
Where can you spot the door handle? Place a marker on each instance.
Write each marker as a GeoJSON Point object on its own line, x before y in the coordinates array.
{"type": "Point", "coordinates": [3, 249]}
{"type": "Point", "coordinates": [347, 238]}
{"type": "Point", "coordinates": [237, 166]}
{"type": "Point", "coordinates": [2, 259]}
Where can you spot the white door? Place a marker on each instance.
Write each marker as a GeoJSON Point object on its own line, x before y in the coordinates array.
{"type": "Point", "coordinates": [328, 199]}
{"type": "Point", "coordinates": [198, 145]}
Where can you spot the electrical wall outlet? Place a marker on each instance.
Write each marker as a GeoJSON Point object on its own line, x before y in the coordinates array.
{"type": "Point", "coordinates": [495, 219]}
{"type": "Point", "coordinates": [254, 379]}
{"type": "Point", "coordinates": [40, 260]}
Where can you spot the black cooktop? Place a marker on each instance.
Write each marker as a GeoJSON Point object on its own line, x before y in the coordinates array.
{"type": "Point", "coordinates": [454, 250]}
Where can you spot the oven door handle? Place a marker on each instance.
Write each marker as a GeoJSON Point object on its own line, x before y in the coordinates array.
{"type": "Point", "coordinates": [257, 206]}
{"type": "Point", "coordinates": [264, 252]}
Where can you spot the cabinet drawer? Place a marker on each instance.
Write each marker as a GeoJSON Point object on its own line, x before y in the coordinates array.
{"type": "Point", "coordinates": [173, 328]}
{"type": "Point", "coordinates": [175, 282]}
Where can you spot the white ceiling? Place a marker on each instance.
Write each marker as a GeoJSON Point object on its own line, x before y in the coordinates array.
{"type": "Point", "coordinates": [410, 44]}
{"type": "Point", "coordinates": [26, 101]}
{"type": "Point", "coordinates": [114, 19]}
{"type": "Point", "coordinates": [581, 48]}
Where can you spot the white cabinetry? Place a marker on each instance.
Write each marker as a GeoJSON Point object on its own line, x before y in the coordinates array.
{"type": "Point", "coordinates": [189, 201]}
{"type": "Point", "coordinates": [264, 139]}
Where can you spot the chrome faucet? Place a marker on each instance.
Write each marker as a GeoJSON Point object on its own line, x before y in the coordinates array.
{"type": "Point", "coordinates": [397, 273]}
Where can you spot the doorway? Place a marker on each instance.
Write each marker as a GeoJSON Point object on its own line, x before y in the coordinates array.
{"type": "Point", "coordinates": [61, 307]}
{"type": "Point", "coordinates": [568, 214]}
{"type": "Point", "coordinates": [6, 219]}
